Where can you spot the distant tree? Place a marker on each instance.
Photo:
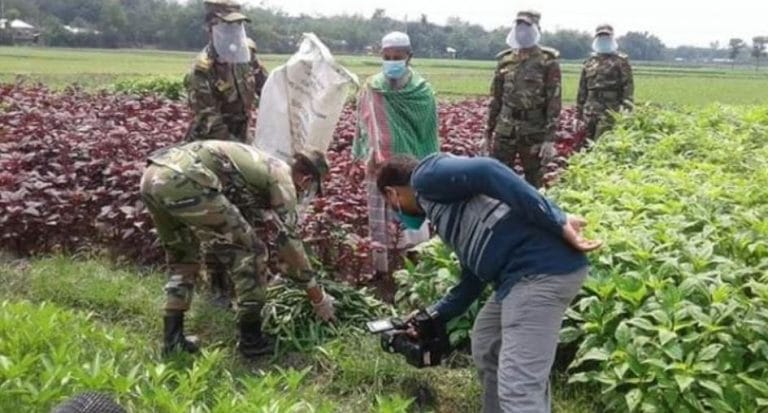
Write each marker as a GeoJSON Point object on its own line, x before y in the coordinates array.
{"type": "Point", "coordinates": [736, 46]}
{"type": "Point", "coordinates": [572, 44]}
{"type": "Point", "coordinates": [12, 14]}
{"type": "Point", "coordinates": [113, 23]}
{"type": "Point", "coordinates": [642, 46]}
{"type": "Point", "coordinates": [758, 49]}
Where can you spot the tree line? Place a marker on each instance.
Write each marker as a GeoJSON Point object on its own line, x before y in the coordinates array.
{"type": "Point", "coordinates": [168, 24]}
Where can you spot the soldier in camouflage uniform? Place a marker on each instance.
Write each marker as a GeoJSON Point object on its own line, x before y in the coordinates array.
{"type": "Point", "coordinates": [221, 95]}
{"type": "Point", "coordinates": [208, 195]}
{"type": "Point", "coordinates": [526, 101]}
{"type": "Point", "coordinates": [606, 84]}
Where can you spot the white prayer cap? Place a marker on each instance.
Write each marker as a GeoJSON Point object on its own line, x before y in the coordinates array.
{"type": "Point", "coordinates": [396, 39]}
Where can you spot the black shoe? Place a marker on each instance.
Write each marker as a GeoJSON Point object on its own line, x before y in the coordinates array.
{"type": "Point", "coordinates": [253, 343]}
{"type": "Point", "coordinates": [174, 339]}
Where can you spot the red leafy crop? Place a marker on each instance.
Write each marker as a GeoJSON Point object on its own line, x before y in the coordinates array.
{"type": "Point", "coordinates": [71, 162]}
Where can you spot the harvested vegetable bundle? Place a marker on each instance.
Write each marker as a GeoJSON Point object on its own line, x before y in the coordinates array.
{"type": "Point", "coordinates": [289, 315]}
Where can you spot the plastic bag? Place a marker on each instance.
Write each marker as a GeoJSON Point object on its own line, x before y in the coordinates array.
{"type": "Point", "coordinates": [302, 101]}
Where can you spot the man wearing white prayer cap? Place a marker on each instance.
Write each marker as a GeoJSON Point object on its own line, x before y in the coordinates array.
{"type": "Point", "coordinates": [397, 115]}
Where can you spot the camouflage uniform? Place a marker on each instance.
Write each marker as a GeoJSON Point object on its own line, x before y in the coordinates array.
{"type": "Point", "coordinates": [220, 95]}
{"type": "Point", "coordinates": [525, 105]}
{"type": "Point", "coordinates": [259, 71]}
{"type": "Point", "coordinates": [211, 193]}
{"type": "Point", "coordinates": [606, 86]}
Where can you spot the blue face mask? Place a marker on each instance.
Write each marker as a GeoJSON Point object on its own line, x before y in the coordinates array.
{"type": "Point", "coordinates": [411, 221]}
{"type": "Point", "coordinates": [604, 45]}
{"type": "Point", "coordinates": [395, 69]}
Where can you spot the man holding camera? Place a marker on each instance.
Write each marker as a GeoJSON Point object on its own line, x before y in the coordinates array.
{"type": "Point", "coordinates": [505, 234]}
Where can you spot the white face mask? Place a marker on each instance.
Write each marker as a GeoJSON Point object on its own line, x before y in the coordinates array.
{"type": "Point", "coordinates": [523, 36]}
{"type": "Point", "coordinates": [229, 41]}
{"type": "Point", "coordinates": [605, 45]}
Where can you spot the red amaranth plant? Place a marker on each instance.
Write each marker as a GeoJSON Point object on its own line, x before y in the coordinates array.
{"type": "Point", "coordinates": [71, 162]}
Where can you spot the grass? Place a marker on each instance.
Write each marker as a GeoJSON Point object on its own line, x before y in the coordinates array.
{"type": "Point", "coordinates": [452, 78]}
{"type": "Point", "coordinates": [70, 325]}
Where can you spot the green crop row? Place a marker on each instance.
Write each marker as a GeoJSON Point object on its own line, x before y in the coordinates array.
{"type": "Point", "coordinates": [675, 314]}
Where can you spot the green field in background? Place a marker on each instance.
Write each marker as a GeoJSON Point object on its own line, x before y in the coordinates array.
{"type": "Point", "coordinates": [92, 68]}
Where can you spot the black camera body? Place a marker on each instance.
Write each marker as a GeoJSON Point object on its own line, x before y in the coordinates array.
{"type": "Point", "coordinates": [428, 349]}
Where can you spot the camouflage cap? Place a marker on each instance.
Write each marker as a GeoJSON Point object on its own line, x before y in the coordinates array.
{"type": "Point", "coordinates": [221, 6]}
{"type": "Point", "coordinates": [529, 16]}
{"type": "Point", "coordinates": [319, 164]}
{"type": "Point", "coordinates": [234, 17]}
{"type": "Point", "coordinates": [604, 29]}
{"type": "Point", "coordinates": [215, 9]}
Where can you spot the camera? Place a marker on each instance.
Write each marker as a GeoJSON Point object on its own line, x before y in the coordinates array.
{"type": "Point", "coordinates": [427, 349]}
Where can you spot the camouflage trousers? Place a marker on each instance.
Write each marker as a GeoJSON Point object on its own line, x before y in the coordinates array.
{"type": "Point", "coordinates": [507, 148]}
{"type": "Point", "coordinates": [190, 217]}
{"type": "Point", "coordinates": [598, 123]}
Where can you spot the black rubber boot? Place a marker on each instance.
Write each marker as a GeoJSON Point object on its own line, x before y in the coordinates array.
{"type": "Point", "coordinates": [253, 343]}
{"type": "Point", "coordinates": [174, 338]}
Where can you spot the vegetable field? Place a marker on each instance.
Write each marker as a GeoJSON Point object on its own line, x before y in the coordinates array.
{"type": "Point", "coordinates": [672, 319]}
{"type": "Point", "coordinates": [453, 79]}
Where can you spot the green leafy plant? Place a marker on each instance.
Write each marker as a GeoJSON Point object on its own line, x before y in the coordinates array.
{"type": "Point", "coordinates": [673, 316]}
{"type": "Point", "coordinates": [48, 354]}
{"type": "Point", "coordinates": [289, 315]}
{"type": "Point", "coordinates": [171, 88]}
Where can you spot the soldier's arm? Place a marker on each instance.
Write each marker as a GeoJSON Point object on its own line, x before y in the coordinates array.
{"type": "Point", "coordinates": [209, 122]}
{"type": "Point", "coordinates": [290, 248]}
{"type": "Point", "coordinates": [260, 73]}
{"type": "Point", "coordinates": [497, 91]}
{"type": "Point", "coordinates": [628, 87]}
{"type": "Point", "coordinates": [552, 87]}
{"type": "Point", "coordinates": [581, 98]}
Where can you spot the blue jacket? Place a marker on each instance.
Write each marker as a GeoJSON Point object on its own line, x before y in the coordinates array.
{"type": "Point", "coordinates": [498, 225]}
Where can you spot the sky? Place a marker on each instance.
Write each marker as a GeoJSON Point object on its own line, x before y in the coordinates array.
{"type": "Point", "coordinates": [676, 22]}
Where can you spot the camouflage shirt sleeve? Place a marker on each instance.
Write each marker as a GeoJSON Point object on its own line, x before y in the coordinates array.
{"type": "Point", "coordinates": [497, 91]}
{"type": "Point", "coordinates": [209, 122]}
{"type": "Point", "coordinates": [627, 86]}
{"type": "Point", "coordinates": [260, 74]}
{"type": "Point", "coordinates": [290, 248]}
{"type": "Point", "coordinates": [552, 88]}
{"type": "Point", "coordinates": [581, 98]}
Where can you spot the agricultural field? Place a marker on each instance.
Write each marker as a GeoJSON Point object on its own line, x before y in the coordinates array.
{"type": "Point", "coordinates": [452, 79]}
{"type": "Point", "coordinates": [672, 319]}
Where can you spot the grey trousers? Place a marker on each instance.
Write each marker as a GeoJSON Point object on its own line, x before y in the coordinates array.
{"type": "Point", "coordinates": [514, 342]}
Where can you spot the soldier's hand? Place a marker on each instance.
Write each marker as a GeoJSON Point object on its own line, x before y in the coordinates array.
{"type": "Point", "coordinates": [324, 308]}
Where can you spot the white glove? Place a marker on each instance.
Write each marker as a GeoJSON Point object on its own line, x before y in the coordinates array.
{"type": "Point", "coordinates": [324, 308]}
{"type": "Point", "coordinates": [547, 151]}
